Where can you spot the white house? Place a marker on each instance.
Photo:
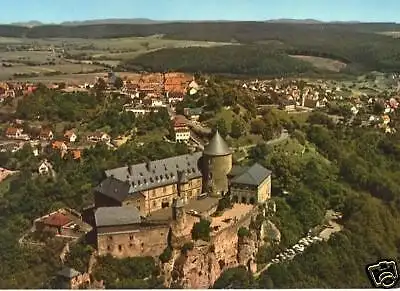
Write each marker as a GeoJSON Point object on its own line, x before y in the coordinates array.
{"type": "Point", "coordinates": [99, 136]}
{"type": "Point", "coordinates": [157, 103]}
{"type": "Point", "coordinates": [70, 136]}
{"type": "Point", "coordinates": [45, 168]}
{"type": "Point", "coordinates": [182, 135]}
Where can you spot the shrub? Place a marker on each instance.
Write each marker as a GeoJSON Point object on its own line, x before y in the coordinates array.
{"type": "Point", "coordinates": [243, 231]}
{"type": "Point", "coordinates": [201, 230]}
{"type": "Point", "coordinates": [166, 255]}
{"type": "Point", "coordinates": [187, 247]}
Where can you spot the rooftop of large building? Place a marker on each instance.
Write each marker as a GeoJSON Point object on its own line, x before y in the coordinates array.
{"type": "Point", "coordinates": [112, 216]}
{"type": "Point", "coordinates": [217, 146]}
{"type": "Point", "coordinates": [253, 175]}
{"type": "Point", "coordinates": [141, 177]}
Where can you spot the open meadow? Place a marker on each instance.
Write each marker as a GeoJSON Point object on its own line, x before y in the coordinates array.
{"type": "Point", "coordinates": [322, 63]}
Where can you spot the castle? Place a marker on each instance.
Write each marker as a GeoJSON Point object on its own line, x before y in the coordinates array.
{"type": "Point", "coordinates": [133, 204]}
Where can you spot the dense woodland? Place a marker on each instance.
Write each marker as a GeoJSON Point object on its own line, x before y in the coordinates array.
{"type": "Point", "coordinates": [248, 60]}
{"type": "Point", "coordinates": [354, 171]}
{"type": "Point", "coordinates": [30, 196]}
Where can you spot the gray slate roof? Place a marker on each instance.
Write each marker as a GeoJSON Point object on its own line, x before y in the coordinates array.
{"type": "Point", "coordinates": [68, 273]}
{"type": "Point", "coordinates": [110, 216]}
{"type": "Point", "coordinates": [114, 188]}
{"type": "Point", "coordinates": [254, 175]}
{"type": "Point", "coordinates": [145, 176]}
{"type": "Point", "coordinates": [217, 146]}
{"type": "Point", "coordinates": [237, 170]}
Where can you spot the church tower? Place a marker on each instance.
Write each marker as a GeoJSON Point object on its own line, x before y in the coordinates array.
{"type": "Point", "coordinates": [217, 163]}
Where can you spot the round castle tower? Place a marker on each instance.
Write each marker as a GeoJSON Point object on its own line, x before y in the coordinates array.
{"type": "Point", "coordinates": [217, 163]}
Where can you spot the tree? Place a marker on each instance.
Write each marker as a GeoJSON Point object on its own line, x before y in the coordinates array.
{"type": "Point", "coordinates": [238, 278]}
{"type": "Point", "coordinates": [237, 128]}
{"type": "Point", "coordinates": [201, 230]}
{"type": "Point", "coordinates": [119, 83]}
{"type": "Point", "coordinates": [222, 127]}
{"type": "Point", "coordinates": [257, 126]}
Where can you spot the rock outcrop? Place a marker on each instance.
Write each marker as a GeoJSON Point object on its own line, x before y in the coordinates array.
{"type": "Point", "coordinates": [202, 265]}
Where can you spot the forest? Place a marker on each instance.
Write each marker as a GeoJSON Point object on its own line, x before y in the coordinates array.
{"type": "Point", "coordinates": [248, 60]}
{"type": "Point", "coordinates": [355, 171]}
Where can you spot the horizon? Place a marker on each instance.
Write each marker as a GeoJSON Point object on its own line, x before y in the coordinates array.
{"type": "Point", "coordinates": [56, 12]}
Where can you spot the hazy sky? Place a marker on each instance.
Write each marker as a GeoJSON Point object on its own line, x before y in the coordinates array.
{"type": "Point", "coordinates": [327, 10]}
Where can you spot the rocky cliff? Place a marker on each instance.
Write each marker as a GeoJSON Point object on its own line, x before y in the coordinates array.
{"type": "Point", "coordinates": [202, 265]}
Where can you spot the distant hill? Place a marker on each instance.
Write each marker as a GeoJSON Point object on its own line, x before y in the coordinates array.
{"type": "Point", "coordinates": [299, 21]}
{"type": "Point", "coordinates": [31, 23]}
{"type": "Point", "coordinates": [112, 21]}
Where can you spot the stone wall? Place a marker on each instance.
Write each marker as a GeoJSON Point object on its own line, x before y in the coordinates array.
{"type": "Point", "coordinates": [139, 242]}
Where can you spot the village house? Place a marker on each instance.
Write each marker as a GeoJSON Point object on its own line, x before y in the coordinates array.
{"type": "Point", "coordinates": [45, 168]}
{"type": "Point", "coordinates": [70, 136]}
{"type": "Point", "coordinates": [193, 113]}
{"type": "Point", "coordinates": [76, 154]}
{"type": "Point", "coordinates": [15, 133]}
{"type": "Point", "coordinates": [5, 173]}
{"type": "Point", "coordinates": [46, 134]}
{"type": "Point", "coordinates": [182, 135]}
{"type": "Point", "coordinates": [60, 146]}
{"type": "Point", "coordinates": [64, 222]}
{"type": "Point", "coordinates": [139, 110]}
{"type": "Point", "coordinates": [99, 136]}
{"type": "Point", "coordinates": [174, 97]}
{"type": "Point", "coordinates": [151, 83]}
{"type": "Point", "coordinates": [287, 105]}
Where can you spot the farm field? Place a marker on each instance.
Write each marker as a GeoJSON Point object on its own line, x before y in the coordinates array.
{"type": "Point", "coordinates": [73, 56]}
{"type": "Point", "coordinates": [10, 72]}
{"type": "Point", "coordinates": [322, 63]}
{"type": "Point", "coordinates": [75, 78]}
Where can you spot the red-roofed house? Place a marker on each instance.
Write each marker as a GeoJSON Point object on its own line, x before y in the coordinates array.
{"type": "Point", "coordinates": [46, 134]}
{"type": "Point", "coordinates": [54, 222]}
{"type": "Point", "coordinates": [13, 132]}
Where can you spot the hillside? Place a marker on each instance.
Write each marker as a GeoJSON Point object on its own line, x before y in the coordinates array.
{"type": "Point", "coordinates": [361, 46]}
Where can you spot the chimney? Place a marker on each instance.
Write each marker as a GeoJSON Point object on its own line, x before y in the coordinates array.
{"type": "Point", "coordinates": [129, 168]}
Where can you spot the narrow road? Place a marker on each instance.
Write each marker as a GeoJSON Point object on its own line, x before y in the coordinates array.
{"type": "Point", "coordinates": [284, 135]}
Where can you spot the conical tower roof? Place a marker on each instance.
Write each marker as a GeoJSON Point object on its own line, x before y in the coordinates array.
{"type": "Point", "coordinates": [217, 146]}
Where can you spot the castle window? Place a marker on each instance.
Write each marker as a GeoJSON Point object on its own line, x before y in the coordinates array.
{"type": "Point", "coordinates": [130, 245]}
{"type": "Point", "coordinates": [154, 204]}
{"type": "Point", "coordinates": [131, 237]}
{"type": "Point", "coordinates": [110, 237]}
{"type": "Point", "coordinates": [108, 248]}
{"type": "Point", "coordinates": [120, 248]}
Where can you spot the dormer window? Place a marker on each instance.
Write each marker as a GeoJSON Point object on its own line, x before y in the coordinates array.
{"type": "Point", "coordinates": [141, 174]}
{"type": "Point", "coordinates": [151, 179]}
